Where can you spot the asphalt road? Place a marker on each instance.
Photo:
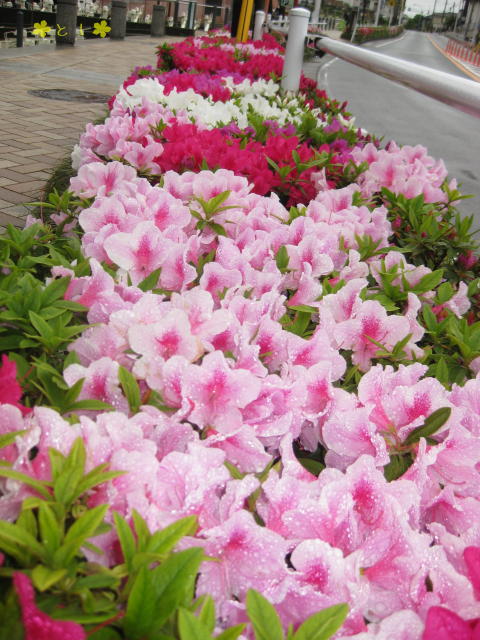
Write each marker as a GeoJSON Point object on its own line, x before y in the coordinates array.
{"type": "Point", "coordinates": [395, 112]}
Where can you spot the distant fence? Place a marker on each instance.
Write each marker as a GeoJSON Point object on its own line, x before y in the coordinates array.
{"type": "Point", "coordinates": [181, 20]}
{"type": "Point", "coordinates": [463, 52]}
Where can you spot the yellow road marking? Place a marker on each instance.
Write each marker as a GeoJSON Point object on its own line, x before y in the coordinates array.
{"type": "Point", "coordinates": [454, 61]}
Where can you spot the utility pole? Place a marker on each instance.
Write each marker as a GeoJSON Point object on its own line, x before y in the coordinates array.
{"type": "Point", "coordinates": [433, 14]}
{"type": "Point", "coordinates": [377, 13]}
{"type": "Point", "coordinates": [443, 14]}
{"type": "Point", "coordinates": [316, 11]}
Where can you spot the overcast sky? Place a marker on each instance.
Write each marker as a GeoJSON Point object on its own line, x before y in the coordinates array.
{"type": "Point", "coordinates": [426, 6]}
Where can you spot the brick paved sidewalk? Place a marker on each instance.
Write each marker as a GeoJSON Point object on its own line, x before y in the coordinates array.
{"type": "Point", "coordinates": [36, 133]}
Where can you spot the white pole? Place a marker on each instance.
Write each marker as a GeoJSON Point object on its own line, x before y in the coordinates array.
{"type": "Point", "coordinates": [257, 29]}
{"type": "Point", "coordinates": [316, 11]}
{"type": "Point", "coordinates": [297, 32]}
{"type": "Point", "coordinates": [377, 14]}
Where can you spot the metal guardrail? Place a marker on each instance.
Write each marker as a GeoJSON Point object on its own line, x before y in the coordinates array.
{"type": "Point", "coordinates": [457, 92]}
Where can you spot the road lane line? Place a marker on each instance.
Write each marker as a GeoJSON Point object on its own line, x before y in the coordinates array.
{"type": "Point", "coordinates": [384, 44]}
{"type": "Point", "coordinates": [322, 75]}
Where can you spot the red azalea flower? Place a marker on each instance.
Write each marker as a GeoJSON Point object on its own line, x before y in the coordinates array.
{"type": "Point", "coordinates": [443, 624]}
{"type": "Point", "coordinates": [39, 626]}
{"type": "Point", "coordinates": [10, 390]}
{"type": "Point", "coordinates": [471, 555]}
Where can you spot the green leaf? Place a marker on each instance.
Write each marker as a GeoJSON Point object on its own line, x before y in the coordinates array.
{"type": "Point", "coordinates": [56, 289]}
{"type": "Point", "coordinates": [324, 624]}
{"type": "Point", "coordinates": [9, 438]}
{"type": "Point", "coordinates": [232, 633]}
{"type": "Point", "coordinates": [42, 327]}
{"type": "Point", "coordinates": [219, 230]}
{"type": "Point", "coordinates": [96, 477]}
{"type": "Point", "coordinates": [107, 633]}
{"type": "Point", "coordinates": [97, 581]}
{"type": "Point", "coordinates": [82, 529]}
{"type": "Point", "coordinates": [444, 292]}
{"type": "Point", "coordinates": [428, 282]}
{"type": "Point", "coordinates": [27, 521]}
{"type": "Point", "coordinates": [214, 203]}
{"type": "Point", "coordinates": [265, 621]}
{"type": "Point", "coordinates": [73, 392]}
{"type": "Point", "coordinates": [91, 404]}
{"type": "Point", "coordinates": [441, 372]}
{"type": "Point", "coordinates": [12, 534]}
{"type": "Point", "coordinates": [430, 319]}
{"type": "Point", "coordinates": [312, 465]}
{"type": "Point", "coordinates": [130, 388]}
{"type": "Point", "coordinates": [151, 281]}
{"type": "Point", "coordinates": [163, 541]}
{"type": "Point", "coordinates": [126, 538]}
{"type": "Point", "coordinates": [300, 323]}
{"type": "Point", "coordinates": [207, 614]}
{"type": "Point", "coordinates": [37, 485]}
{"type": "Point", "coordinates": [282, 259]}
{"type": "Point", "coordinates": [141, 530]}
{"type": "Point", "coordinates": [174, 581]}
{"type": "Point", "coordinates": [141, 606]}
{"type": "Point", "coordinates": [190, 627]}
{"type": "Point", "coordinates": [65, 483]}
{"type": "Point", "coordinates": [305, 308]}
{"type": "Point", "coordinates": [431, 425]}
{"type": "Point", "coordinates": [43, 578]}
{"type": "Point", "coordinates": [397, 466]}
{"type": "Point", "coordinates": [50, 532]}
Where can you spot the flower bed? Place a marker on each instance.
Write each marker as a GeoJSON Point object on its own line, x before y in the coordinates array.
{"type": "Point", "coordinates": [366, 34]}
{"type": "Point", "coordinates": [248, 347]}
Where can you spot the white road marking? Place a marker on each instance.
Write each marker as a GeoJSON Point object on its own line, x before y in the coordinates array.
{"type": "Point", "coordinates": [322, 76]}
{"type": "Point", "coordinates": [384, 44]}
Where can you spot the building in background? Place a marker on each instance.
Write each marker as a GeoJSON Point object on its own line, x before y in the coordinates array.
{"type": "Point", "coordinates": [471, 20]}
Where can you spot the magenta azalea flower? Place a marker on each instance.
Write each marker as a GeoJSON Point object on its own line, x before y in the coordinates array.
{"type": "Point", "coordinates": [10, 390]}
{"type": "Point", "coordinates": [39, 626]}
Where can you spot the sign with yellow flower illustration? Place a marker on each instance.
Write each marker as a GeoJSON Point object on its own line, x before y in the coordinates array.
{"type": "Point", "coordinates": [101, 28]}
{"type": "Point", "coordinates": [41, 29]}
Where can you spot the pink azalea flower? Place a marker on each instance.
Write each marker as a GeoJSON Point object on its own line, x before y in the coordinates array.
{"type": "Point", "coordinates": [217, 393]}
{"type": "Point", "coordinates": [97, 179]}
{"type": "Point", "coordinates": [459, 304]}
{"type": "Point", "coordinates": [140, 156]}
{"type": "Point", "coordinates": [401, 625]}
{"type": "Point", "coordinates": [166, 210]}
{"type": "Point", "coordinates": [170, 336]}
{"type": "Point", "coordinates": [250, 557]}
{"type": "Point", "coordinates": [467, 398]}
{"type": "Point", "coordinates": [39, 626]}
{"type": "Point", "coordinates": [101, 382]}
{"type": "Point", "coordinates": [309, 289]}
{"type": "Point", "coordinates": [216, 278]}
{"type": "Point", "coordinates": [243, 449]}
{"type": "Point", "coordinates": [139, 252]}
{"type": "Point", "coordinates": [370, 322]}
{"type": "Point", "coordinates": [99, 342]}
{"type": "Point", "coordinates": [176, 272]}
{"type": "Point", "coordinates": [351, 434]}
{"type": "Point", "coordinates": [306, 252]}
{"type": "Point", "coordinates": [191, 483]}
{"type": "Point", "coordinates": [11, 419]}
